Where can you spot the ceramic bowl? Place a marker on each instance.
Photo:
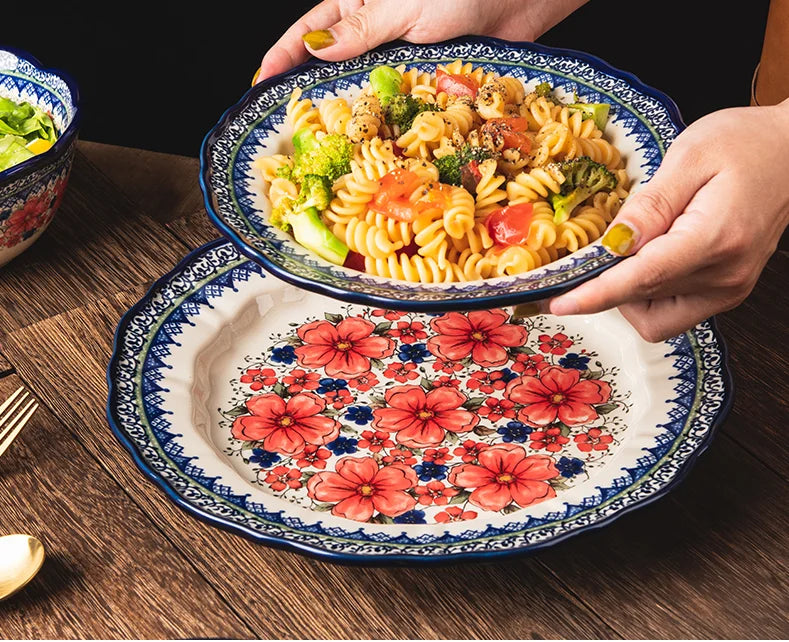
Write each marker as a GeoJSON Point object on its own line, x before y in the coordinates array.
{"type": "Point", "coordinates": [642, 124]}
{"type": "Point", "coordinates": [31, 191]}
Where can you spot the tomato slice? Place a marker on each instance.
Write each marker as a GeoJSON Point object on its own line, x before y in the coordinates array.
{"type": "Point", "coordinates": [456, 84]}
{"type": "Point", "coordinates": [395, 189]}
{"type": "Point", "coordinates": [470, 176]}
{"type": "Point", "coordinates": [509, 225]}
{"type": "Point", "coordinates": [512, 131]}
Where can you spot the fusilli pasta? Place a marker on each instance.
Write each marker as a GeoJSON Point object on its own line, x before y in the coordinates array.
{"type": "Point", "coordinates": [418, 196]}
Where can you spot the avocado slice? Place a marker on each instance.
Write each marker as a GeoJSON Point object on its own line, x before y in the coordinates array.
{"type": "Point", "coordinates": [310, 231]}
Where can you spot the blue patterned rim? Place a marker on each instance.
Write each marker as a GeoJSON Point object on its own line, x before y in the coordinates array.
{"type": "Point", "coordinates": [138, 366]}
{"type": "Point", "coordinates": [650, 119]}
{"type": "Point", "coordinates": [43, 81]}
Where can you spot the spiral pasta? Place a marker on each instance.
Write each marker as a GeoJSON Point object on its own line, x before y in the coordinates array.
{"type": "Point", "coordinates": [300, 112]}
{"type": "Point", "coordinates": [410, 218]}
{"type": "Point", "coordinates": [367, 239]}
{"type": "Point", "coordinates": [335, 114]}
{"type": "Point", "coordinates": [488, 193]}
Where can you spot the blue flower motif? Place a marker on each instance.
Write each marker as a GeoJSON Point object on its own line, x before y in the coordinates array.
{"type": "Point", "coordinates": [569, 466]}
{"type": "Point", "coordinates": [343, 445]}
{"type": "Point", "coordinates": [264, 458]}
{"type": "Point", "coordinates": [514, 431]}
{"type": "Point", "coordinates": [508, 375]}
{"type": "Point", "coordinates": [285, 354]}
{"type": "Point", "coordinates": [360, 415]}
{"type": "Point", "coordinates": [411, 517]}
{"type": "Point", "coordinates": [328, 384]}
{"type": "Point", "coordinates": [416, 352]}
{"type": "Point", "coordinates": [574, 360]}
{"type": "Point", "coordinates": [429, 470]}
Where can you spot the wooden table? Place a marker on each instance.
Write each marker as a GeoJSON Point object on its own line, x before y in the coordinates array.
{"type": "Point", "coordinates": [709, 560]}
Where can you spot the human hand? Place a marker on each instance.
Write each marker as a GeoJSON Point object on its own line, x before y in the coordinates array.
{"type": "Point", "coordinates": [341, 29]}
{"type": "Point", "coordinates": [700, 232]}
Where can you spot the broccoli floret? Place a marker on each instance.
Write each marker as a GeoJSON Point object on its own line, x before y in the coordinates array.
{"type": "Point", "coordinates": [398, 108]}
{"type": "Point", "coordinates": [583, 177]}
{"type": "Point", "coordinates": [285, 171]}
{"type": "Point", "coordinates": [544, 90]}
{"type": "Point", "coordinates": [315, 191]}
{"type": "Point", "coordinates": [401, 109]}
{"type": "Point", "coordinates": [330, 156]}
{"type": "Point", "coordinates": [450, 167]}
{"type": "Point", "coordinates": [302, 217]}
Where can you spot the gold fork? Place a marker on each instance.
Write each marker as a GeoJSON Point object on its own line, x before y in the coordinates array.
{"type": "Point", "coordinates": [15, 412]}
{"type": "Point", "coordinates": [21, 556]}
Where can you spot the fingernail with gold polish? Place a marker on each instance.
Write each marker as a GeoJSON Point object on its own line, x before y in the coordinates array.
{"type": "Point", "coordinates": [255, 77]}
{"type": "Point", "coordinates": [318, 39]}
{"type": "Point", "coordinates": [620, 239]}
{"type": "Point", "coordinates": [523, 310]}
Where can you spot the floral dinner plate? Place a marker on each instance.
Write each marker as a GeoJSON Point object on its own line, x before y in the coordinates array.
{"type": "Point", "coordinates": [367, 435]}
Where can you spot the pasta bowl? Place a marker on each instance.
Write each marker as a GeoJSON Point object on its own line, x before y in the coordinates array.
{"type": "Point", "coordinates": [448, 271]}
{"type": "Point", "coordinates": [31, 190]}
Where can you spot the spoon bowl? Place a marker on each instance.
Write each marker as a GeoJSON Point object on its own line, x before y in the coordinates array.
{"type": "Point", "coordinates": [21, 557]}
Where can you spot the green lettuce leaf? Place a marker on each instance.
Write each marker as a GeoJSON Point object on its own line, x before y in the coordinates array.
{"type": "Point", "coordinates": [20, 124]}
{"type": "Point", "coordinates": [13, 151]}
{"type": "Point", "coordinates": [26, 120]}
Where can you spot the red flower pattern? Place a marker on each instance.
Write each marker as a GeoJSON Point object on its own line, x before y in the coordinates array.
{"type": "Point", "coordinates": [343, 350]}
{"type": "Point", "coordinates": [399, 456]}
{"type": "Point", "coordinates": [411, 421]}
{"type": "Point", "coordinates": [299, 380]}
{"type": "Point", "coordinates": [435, 492]}
{"type": "Point", "coordinates": [401, 371]}
{"type": "Point", "coordinates": [363, 382]}
{"type": "Point", "coordinates": [496, 409]}
{"type": "Point", "coordinates": [529, 364]}
{"type": "Point", "coordinates": [551, 440]}
{"type": "Point", "coordinates": [505, 474]}
{"type": "Point", "coordinates": [558, 393]}
{"type": "Point", "coordinates": [286, 427]}
{"type": "Point", "coordinates": [422, 419]}
{"type": "Point", "coordinates": [312, 456]}
{"type": "Point", "coordinates": [593, 439]}
{"type": "Point", "coordinates": [283, 477]}
{"type": "Point", "coordinates": [257, 378]}
{"type": "Point", "coordinates": [359, 487]}
{"type": "Point", "coordinates": [469, 450]}
{"type": "Point", "coordinates": [375, 441]}
{"type": "Point", "coordinates": [408, 332]}
{"type": "Point", "coordinates": [556, 344]}
{"type": "Point", "coordinates": [487, 382]}
{"type": "Point", "coordinates": [455, 514]}
{"type": "Point", "coordinates": [483, 335]}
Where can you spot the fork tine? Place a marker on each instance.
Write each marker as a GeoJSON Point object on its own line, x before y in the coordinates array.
{"type": "Point", "coordinates": [10, 432]}
{"type": "Point", "coordinates": [9, 401]}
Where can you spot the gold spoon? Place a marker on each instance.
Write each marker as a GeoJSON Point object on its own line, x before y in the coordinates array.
{"type": "Point", "coordinates": [21, 557]}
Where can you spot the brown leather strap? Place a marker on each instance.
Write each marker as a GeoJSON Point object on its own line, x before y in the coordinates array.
{"type": "Point", "coordinates": [771, 79]}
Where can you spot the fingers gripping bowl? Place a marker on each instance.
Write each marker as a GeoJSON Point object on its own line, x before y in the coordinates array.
{"type": "Point", "coordinates": [31, 189]}
{"type": "Point", "coordinates": [531, 112]}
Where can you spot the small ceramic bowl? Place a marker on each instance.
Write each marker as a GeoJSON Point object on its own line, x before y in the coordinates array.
{"type": "Point", "coordinates": [31, 191]}
{"type": "Point", "coordinates": [642, 124]}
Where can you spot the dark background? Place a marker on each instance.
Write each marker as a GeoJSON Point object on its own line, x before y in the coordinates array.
{"type": "Point", "coordinates": [160, 78]}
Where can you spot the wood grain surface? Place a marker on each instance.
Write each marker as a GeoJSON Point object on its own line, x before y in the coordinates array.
{"type": "Point", "coordinates": [124, 562]}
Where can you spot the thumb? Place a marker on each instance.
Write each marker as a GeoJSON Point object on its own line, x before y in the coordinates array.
{"type": "Point", "coordinates": [650, 212]}
{"type": "Point", "coordinates": [371, 25]}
